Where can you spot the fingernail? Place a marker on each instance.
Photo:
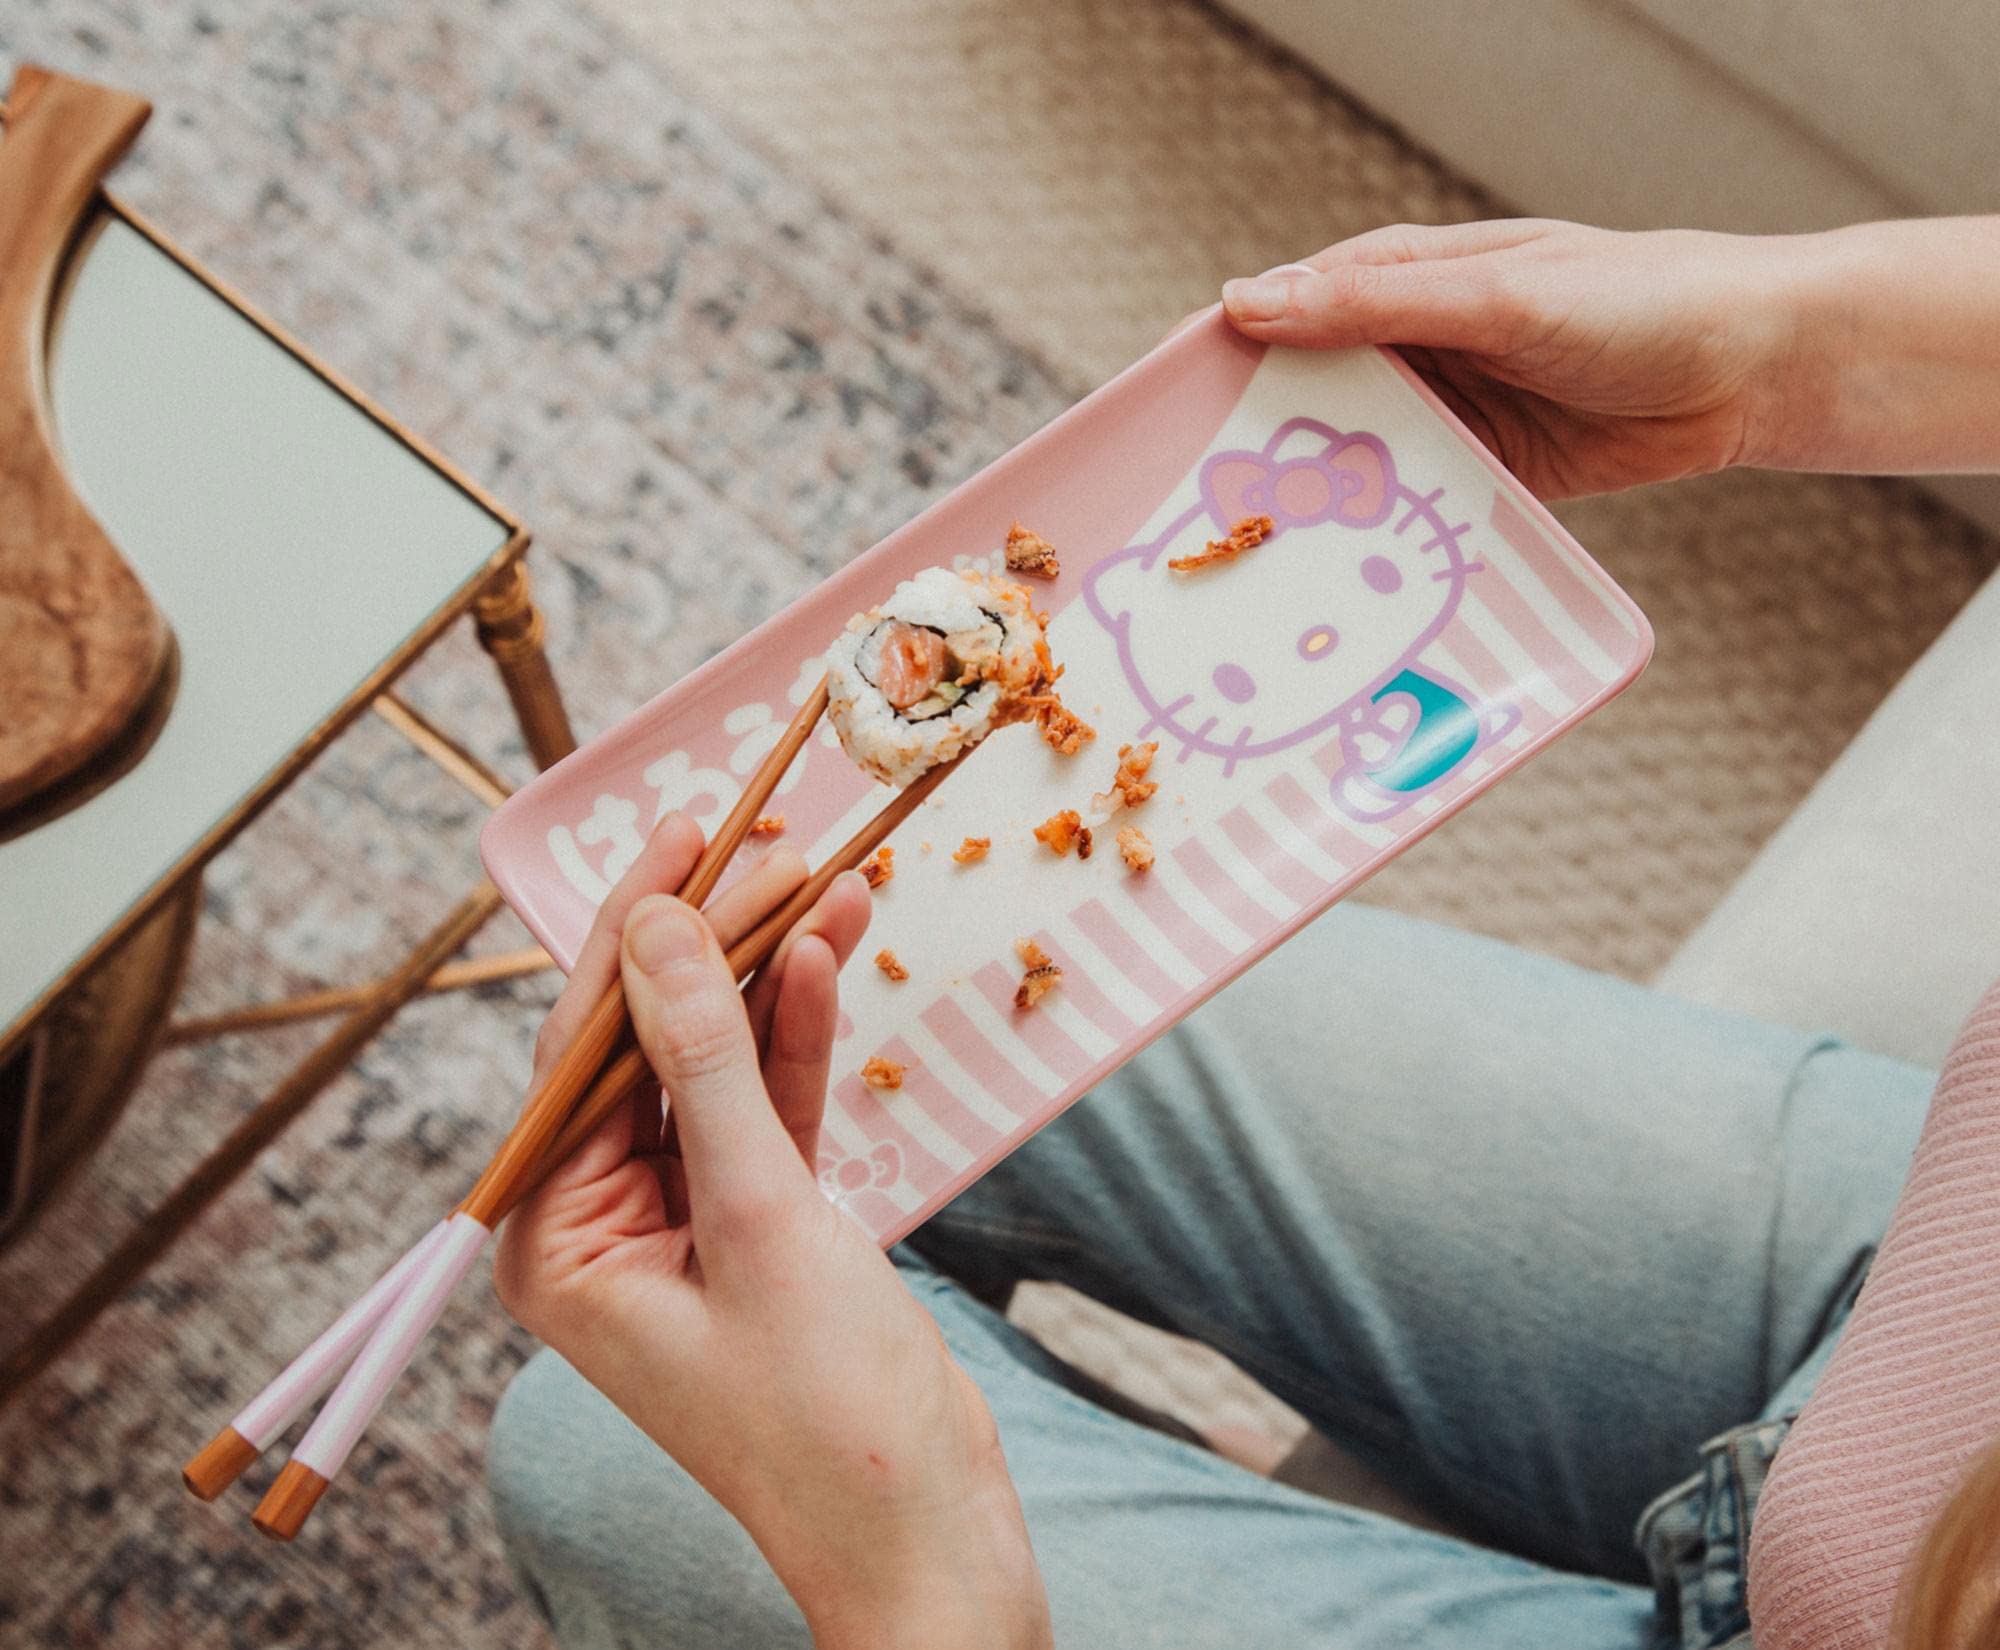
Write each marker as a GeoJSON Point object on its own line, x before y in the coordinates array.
{"type": "Point", "coordinates": [1264, 298]}
{"type": "Point", "coordinates": [664, 931]}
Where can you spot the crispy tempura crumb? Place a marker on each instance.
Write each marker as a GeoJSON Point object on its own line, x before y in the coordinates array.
{"type": "Point", "coordinates": [1041, 978]}
{"type": "Point", "coordinates": [1085, 842]}
{"type": "Point", "coordinates": [881, 868]}
{"type": "Point", "coordinates": [1036, 984]}
{"type": "Point", "coordinates": [1059, 831]}
{"type": "Point", "coordinates": [1062, 729]}
{"type": "Point", "coordinates": [879, 1073]}
{"type": "Point", "coordinates": [1129, 785]}
{"type": "Point", "coordinates": [1031, 553]}
{"type": "Point", "coordinates": [887, 961]}
{"type": "Point", "coordinates": [972, 850]}
{"type": "Point", "coordinates": [1137, 848]}
{"type": "Point", "coordinates": [768, 825]}
{"type": "Point", "coordinates": [1247, 534]}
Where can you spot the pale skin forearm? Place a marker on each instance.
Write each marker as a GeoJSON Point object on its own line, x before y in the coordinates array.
{"type": "Point", "coordinates": [1589, 360]}
{"type": "Point", "coordinates": [968, 1579]}
{"type": "Point", "coordinates": [1891, 354]}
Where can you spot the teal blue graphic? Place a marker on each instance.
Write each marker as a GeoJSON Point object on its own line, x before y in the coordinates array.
{"type": "Point", "coordinates": [1447, 730]}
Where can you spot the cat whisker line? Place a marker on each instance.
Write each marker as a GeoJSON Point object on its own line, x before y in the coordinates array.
{"type": "Point", "coordinates": [1200, 735]}
{"type": "Point", "coordinates": [1238, 748]}
{"type": "Point", "coordinates": [1448, 539]}
{"type": "Point", "coordinates": [1419, 506]}
{"type": "Point", "coordinates": [1163, 717]}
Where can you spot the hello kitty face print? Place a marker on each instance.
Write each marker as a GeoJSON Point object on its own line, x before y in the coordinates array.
{"type": "Point", "coordinates": [1320, 630]}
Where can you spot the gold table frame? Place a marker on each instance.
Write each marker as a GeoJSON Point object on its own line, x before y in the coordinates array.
{"type": "Point", "coordinates": [512, 630]}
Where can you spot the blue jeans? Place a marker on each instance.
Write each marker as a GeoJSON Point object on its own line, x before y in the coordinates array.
{"type": "Point", "coordinates": [1520, 1237]}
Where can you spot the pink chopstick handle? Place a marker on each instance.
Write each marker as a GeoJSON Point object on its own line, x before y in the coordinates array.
{"type": "Point", "coordinates": [365, 1386]}
{"type": "Point", "coordinates": [264, 1419]}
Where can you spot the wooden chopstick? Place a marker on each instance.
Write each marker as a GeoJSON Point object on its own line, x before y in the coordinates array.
{"type": "Point", "coordinates": [750, 805]}
{"type": "Point", "coordinates": [755, 948]}
{"type": "Point", "coordinates": [628, 1068]}
{"type": "Point", "coordinates": [361, 1391]}
{"type": "Point", "coordinates": [229, 1453]}
{"type": "Point", "coordinates": [610, 1023]}
{"type": "Point", "coordinates": [595, 1074]}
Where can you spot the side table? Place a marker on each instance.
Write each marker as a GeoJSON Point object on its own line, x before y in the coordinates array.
{"type": "Point", "coordinates": [306, 550]}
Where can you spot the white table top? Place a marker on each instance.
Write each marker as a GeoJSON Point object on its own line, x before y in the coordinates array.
{"type": "Point", "coordinates": [292, 541]}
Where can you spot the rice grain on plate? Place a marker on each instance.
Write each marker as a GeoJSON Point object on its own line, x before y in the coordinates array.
{"type": "Point", "coordinates": [1136, 848]}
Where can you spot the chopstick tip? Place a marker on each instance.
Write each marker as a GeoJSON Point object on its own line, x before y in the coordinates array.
{"type": "Point", "coordinates": [289, 1501]}
{"type": "Point", "coordinates": [218, 1464]}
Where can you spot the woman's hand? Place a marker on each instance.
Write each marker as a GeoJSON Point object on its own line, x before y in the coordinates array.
{"type": "Point", "coordinates": [1589, 359]}
{"type": "Point", "coordinates": [716, 1297]}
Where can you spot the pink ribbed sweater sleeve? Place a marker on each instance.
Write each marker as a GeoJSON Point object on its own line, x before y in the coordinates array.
{"type": "Point", "coordinates": [1912, 1394]}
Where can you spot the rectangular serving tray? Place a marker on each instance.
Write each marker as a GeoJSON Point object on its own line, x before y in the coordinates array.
{"type": "Point", "coordinates": [1416, 626]}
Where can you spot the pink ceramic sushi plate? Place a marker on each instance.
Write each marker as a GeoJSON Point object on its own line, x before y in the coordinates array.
{"type": "Point", "coordinates": [1416, 627]}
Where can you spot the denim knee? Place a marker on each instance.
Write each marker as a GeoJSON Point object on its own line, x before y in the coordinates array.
{"type": "Point", "coordinates": [610, 1539]}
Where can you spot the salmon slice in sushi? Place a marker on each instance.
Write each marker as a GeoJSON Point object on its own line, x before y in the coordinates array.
{"type": "Point", "coordinates": [933, 670]}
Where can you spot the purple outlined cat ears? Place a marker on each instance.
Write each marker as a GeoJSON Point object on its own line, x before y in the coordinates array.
{"type": "Point", "coordinates": [1307, 473]}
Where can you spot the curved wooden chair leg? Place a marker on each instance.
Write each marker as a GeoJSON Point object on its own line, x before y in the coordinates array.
{"type": "Point", "coordinates": [83, 650]}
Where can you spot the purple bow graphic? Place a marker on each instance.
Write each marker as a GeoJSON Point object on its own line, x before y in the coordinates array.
{"type": "Point", "coordinates": [1351, 481]}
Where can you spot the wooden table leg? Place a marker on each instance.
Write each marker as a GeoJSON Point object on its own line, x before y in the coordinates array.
{"type": "Point", "coordinates": [97, 1037]}
{"type": "Point", "coordinates": [511, 628]}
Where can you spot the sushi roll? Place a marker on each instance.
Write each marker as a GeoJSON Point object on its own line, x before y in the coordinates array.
{"type": "Point", "coordinates": [933, 670]}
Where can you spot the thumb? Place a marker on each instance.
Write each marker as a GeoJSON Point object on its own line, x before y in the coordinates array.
{"type": "Point", "coordinates": [1436, 303]}
{"type": "Point", "coordinates": [691, 1023]}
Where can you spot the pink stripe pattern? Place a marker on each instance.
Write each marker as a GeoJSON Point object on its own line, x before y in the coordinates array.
{"type": "Point", "coordinates": [980, 1060]}
{"type": "Point", "coordinates": [1229, 895]}
{"type": "Point", "coordinates": [1187, 936]}
{"type": "Point", "coordinates": [938, 1103]}
{"type": "Point", "coordinates": [1053, 1046]}
{"type": "Point", "coordinates": [1106, 933]}
{"type": "Point", "coordinates": [1329, 833]}
{"type": "Point", "coordinates": [1608, 629]}
{"type": "Point", "coordinates": [1289, 875]}
{"type": "Point", "coordinates": [1512, 612]}
{"type": "Point", "coordinates": [874, 1119]}
{"type": "Point", "coordinates": [1085, 996]}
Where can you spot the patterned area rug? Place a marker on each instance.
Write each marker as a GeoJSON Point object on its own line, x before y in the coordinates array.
{"type": "Point", "coordinates": [516, 230]}
{"type": "Point", "coordinates": [510, 229]}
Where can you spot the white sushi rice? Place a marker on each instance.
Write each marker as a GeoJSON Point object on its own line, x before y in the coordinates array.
{"type": "Point", "coordinates": [966, 608]}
